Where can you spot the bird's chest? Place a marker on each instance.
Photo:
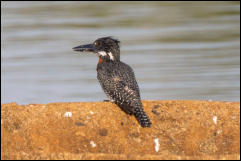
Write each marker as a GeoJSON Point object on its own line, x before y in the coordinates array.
{"type": "Point", "coordinates": [105, 70]}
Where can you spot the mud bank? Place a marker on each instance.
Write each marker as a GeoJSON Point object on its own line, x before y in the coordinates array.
{"type": "Point", "coordinates": [100, 130]}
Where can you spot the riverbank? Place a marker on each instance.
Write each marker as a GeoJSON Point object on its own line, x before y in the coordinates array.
{"type": "Point", "coordinates": [100, 130]}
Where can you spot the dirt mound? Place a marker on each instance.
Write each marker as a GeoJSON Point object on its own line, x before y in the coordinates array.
{"type": "Point", "coordinates": [100, 130]}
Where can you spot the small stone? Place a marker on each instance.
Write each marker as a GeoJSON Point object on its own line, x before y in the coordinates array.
{"type": "Point", "coordinates": [155, 112]}
{"type": "Point", "coordinates": [92, 143]}
{"type": "Point", "coordinates": [79, 124]}
{"type": "Point", "coordinates": [103, 132]}
{"type": "Point", "coordinates": [156, 106]}
{"type": "Point", "coordinates": [68, 114]}
{"type": "Point", "coordinates": [157, 145]}
{"type": "Point", "coordinates": [215, 119]}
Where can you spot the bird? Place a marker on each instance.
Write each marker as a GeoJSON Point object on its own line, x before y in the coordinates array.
{"type": "Point", "coordinates": [116, 78]}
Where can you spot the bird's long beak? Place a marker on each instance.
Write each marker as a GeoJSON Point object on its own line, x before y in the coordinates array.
{"type": "Point", "coordinates": [88, 47]}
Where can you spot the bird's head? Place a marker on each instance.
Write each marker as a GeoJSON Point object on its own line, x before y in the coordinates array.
{"type": "Point", "coordinates": [107, 48]}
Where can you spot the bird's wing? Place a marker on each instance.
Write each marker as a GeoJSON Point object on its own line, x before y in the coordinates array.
{"type": "Point", "coordinates": [121, 87]}
{"type": "Point", "coordinates": [127, 79]}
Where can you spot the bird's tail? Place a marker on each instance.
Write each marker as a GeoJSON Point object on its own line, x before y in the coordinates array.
{"type": "Point", "coordinates": [142, 117]}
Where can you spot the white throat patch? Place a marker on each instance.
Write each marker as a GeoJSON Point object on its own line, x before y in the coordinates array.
{"type": "Point", "coordinates": [111, 56]}
{"type": "Point", "coordinates": [103, 53]}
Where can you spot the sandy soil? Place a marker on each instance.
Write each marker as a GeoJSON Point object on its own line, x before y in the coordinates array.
{"type": "Point", "coordinates": [100, 130]}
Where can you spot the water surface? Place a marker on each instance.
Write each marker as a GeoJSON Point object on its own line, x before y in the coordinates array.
{"type": "Point", "coordinates": [178, 50]}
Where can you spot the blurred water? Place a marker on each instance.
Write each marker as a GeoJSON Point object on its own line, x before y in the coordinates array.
{"type": "Point", "coordinates": [178, 50]}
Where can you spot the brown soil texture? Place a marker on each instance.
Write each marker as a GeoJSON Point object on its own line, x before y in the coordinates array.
{"type": "Point", "coordinates": [100, 130]}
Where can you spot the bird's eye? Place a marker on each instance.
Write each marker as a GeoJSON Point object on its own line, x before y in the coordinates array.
{"type": "Point", "coordinates": [95, 43]}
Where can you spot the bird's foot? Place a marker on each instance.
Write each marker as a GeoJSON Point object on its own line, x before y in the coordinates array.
{"type": "Point", "coordinates": [108, 101]}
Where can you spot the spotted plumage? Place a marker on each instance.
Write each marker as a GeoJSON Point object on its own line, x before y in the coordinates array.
{"type": "Point", "coordinates": [116, 78]}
